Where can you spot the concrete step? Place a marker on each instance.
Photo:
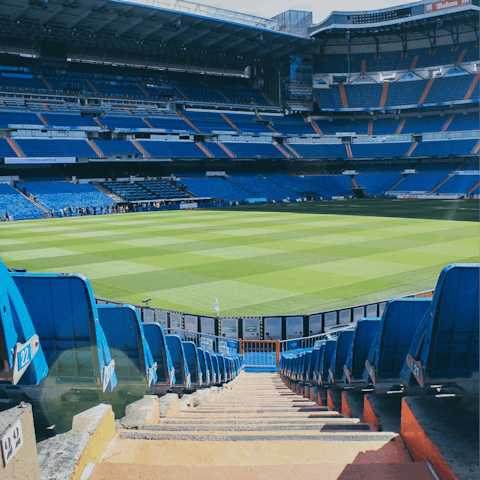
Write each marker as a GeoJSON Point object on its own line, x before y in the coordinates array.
{"type": "Point", "coordinates": [259, 430]}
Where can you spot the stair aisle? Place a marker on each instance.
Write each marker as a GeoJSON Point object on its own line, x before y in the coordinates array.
{"type": "Point", "coordinates": [258, 430]}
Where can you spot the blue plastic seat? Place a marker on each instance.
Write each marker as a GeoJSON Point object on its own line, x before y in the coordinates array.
{"type": "Point", "coordinates": [211, 370]}
{"type": "Point", "coordinates": [202, 359]}
{"type": "Point", "coordinates": [335, 371]}
{"type": "Point", "coordinates": [313, 365]}
{"type": "Point", "coordinates": [305, 366]}
{"type": "Point", "coordinates": [216, 369]}
{"type": "Point", "coordinates": [182, 372]}
{"type": "Point", "coordinates": [365, 331]}
{"type": "Point", "coordinates": [123, 329]}
{"type": "Point", "coordinates": [194, 367]}
{"type": "Point", "coordinates": [444, 349]}
{"type": "Point", "coordinates": [316, 367]}
{"type": "Point", "coordinates": [20, 342]}
{"type": "Point", "coordinates": [222, 368]}
{"type": "Point", "coordinates": [325, 360]}
{"type": "Point", "coordinates": [157, 342]}
{"type": "Point", "coordinates": [390, 345]}
{"type": "Point", "coordinates": [63, 311]}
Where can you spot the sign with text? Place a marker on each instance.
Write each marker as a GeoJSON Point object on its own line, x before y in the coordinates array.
{"type": "Point", "coordinates": [446, 4]}
{"type": "Point", "coordinates": [38, 160]}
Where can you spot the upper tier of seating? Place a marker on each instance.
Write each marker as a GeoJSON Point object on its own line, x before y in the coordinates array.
{"type": "Point", "coordinates": [109, 81]}
{"type": "Point", "coordinates": [392, 61]}
{"type": "Point", "coordinates": [413, 92]}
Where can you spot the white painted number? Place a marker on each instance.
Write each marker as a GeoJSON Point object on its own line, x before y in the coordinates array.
{"type": "Point", "coordinates": [24, 357]}
{"type": "Point", "coordinates": [12, 442]}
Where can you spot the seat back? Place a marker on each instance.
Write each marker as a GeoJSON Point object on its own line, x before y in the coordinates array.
{"type": "Point", "coordinates": [445, 345]}
{"type": "Point", "coordinates": [212, 371]}
{"type": "Point", "coordinates": [313, 364]}
{"type": "Point", "coordinates": [365, 331]}
{"type": "Point", "coordinates": [400, 320]}
{"type": "Point", "coordinates": [202, 359]}
{"type": "Point", "coordinates": [155, 337]}
{"type": "Point", "coordinates": [175, 347]}
{"type": "Point", "coordinates": [216, 368]}
{"type": "Point", "coordinates": [126, 339]}
{"type": "Point", "coordinates": [339, 357]}
{"type": "Point", "coordinates": [65, 316]}
{"type": "Point", "coordinates": [19, 342]}
{"type": "Point", "coordinates": [316, 368]}
{"type": "Point", "coordinates": [221, 367]}
{"type": "Point", "coordinates": [325, 361]}
{"type": "Point", "coordinates": [306, 366]}
{"type": "Point", "coordinates": [191, 356]}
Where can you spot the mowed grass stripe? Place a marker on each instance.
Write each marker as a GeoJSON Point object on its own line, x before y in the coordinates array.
{"type": "Point", "coordinates": [255, 263]}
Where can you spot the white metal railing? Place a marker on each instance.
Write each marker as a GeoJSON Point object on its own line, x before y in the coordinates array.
{"type": "Point", "coordinates": [291, 346]}
{"type": "Point", "coordinates": [210, 12]}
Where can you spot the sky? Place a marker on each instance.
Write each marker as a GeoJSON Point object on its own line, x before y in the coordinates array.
{"type": "Point", "coordinates": [320, 8]}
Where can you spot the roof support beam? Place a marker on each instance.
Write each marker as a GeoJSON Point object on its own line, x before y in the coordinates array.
{"type": "Point", "coordinates": [50, 15]}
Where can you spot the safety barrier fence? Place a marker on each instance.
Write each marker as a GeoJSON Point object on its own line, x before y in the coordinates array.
{"type": "Point", "coordinates": [260, 353]}
{"type": "Point", "coordinates": [256, 328]}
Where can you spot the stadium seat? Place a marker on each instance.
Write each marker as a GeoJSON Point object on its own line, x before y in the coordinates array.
{"type": "Point", "coordinates": [325, 360]}
{"type": "Point", "coordinates": [390, 345]}
{"type": "Point", "coordinates": [222, 368]}
{"type": "Point", "coordinates": [182, 372]}
{"type": "Point", "coordinates": [123, 329]}
{"type": "Point", "coordinates": [193, 362]}
{"type": "Point", "coordinates": [216, 369]}
{"type": "Point", "coordinates": [305, 366]}
{"type": "Point", "coordinates": [444, 349]}
{"type": "Point", "coordinates": [65, 316]}
{"type": "Point", "coordinates": [344, 340]}
{"type": "Point", "coordinates": [363, 336]}
{"type": "Point", "coordinates": [211, 370]}
{"type": "Point", "coordinates": [313, 365]}
{"type": "Point", "coordinates": [20, 344]}
{"type": "Point", "coordinates": [157, 342]}
{"type": "Point", "coordinates": [202, 359]}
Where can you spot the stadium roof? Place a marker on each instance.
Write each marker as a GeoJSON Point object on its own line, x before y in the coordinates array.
{"type": "Point", "coordinates": [428, 18]}
{"type": "Point", "coordinates": [173, 28]}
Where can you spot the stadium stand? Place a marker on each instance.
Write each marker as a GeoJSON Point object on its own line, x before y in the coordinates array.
{"type": "Point", "coordinates": [16, 205]}
{"type": "Point", "coordinates": [57, 196]}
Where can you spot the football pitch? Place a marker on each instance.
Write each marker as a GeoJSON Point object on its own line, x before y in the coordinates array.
{"type": "Point", "coordinates": [255, 262]}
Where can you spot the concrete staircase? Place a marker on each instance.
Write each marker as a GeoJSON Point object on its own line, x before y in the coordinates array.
{"type": "Point", "coordinates": [260, 429]}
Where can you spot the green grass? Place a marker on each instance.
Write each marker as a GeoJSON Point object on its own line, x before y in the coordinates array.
{"type": "Point", "coordinates": [255, 262]}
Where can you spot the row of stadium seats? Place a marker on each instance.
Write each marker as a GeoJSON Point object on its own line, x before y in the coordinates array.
{"type": "Point", "coordinates": [189, 149]}
{"type": "Point", "coordinates": [392, 61]}
{"type": "Point", "coordinates": [131, 84]}
{"type": "Point", "coordinates": [416, 344]}
{"type": "Point", "coordinates": [444, 89]}
{"type": "Point", "coordinates": [211, 122]}
{"type": "Point", "coordinates": [73, 343]}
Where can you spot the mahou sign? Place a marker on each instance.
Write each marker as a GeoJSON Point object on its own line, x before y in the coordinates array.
{"type": "Point", "coordinates": [446, 4]}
